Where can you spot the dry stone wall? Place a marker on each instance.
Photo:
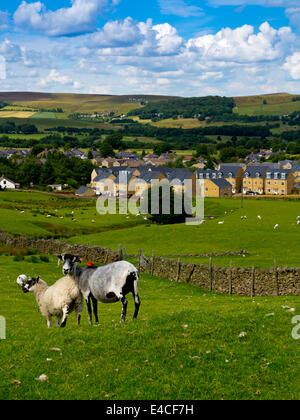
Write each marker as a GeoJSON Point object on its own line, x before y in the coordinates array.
{"type": "Point", "coordinates": [95, 254]}
{"type": "Point", "coordinates": [238, 281]}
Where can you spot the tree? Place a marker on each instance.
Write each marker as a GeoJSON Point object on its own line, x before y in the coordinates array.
{"type": "Point", "coordinates": [106, 150]}
{"type": "Point", "coordinates": [115, 140]}
{"type": "Point", "coordinates": [165, 219]}
{"type": "Point", "coordinates": [209, 164]}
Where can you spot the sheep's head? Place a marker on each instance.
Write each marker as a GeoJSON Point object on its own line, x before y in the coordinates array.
{"type": "Point", "coordinates": [29, 285]}
{"type": "Point", "coordinates": [69, 263]}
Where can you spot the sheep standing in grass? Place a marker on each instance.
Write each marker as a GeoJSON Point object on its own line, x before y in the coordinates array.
{"type": "Point", "coordinates": [58, 300]}
{"type": "Point", "coordinates": [108, 284]}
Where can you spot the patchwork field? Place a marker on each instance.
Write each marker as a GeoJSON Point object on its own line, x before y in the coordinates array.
{"type": "Point", "coordinates": [187, 344]}
{"type": "Point", "coordinates": [16, 114]}
{"type": "Point", "coordinates": [73, 103]}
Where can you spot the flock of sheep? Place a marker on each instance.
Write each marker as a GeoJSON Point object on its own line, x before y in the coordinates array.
{"type": "Point", "coordinates": [108, 284]}
{"type": "Point", "coordinates": [260, 218]}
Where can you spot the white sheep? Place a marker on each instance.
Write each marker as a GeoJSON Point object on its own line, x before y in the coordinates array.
{"type": "Point", "coordinates": [58, 300]}
{"type": "Point", "coordinates": [276, 227]}
{"type": "Point", "coordinates": [221, 223]}
{"type": "Point", "coordinates": [259, 217]}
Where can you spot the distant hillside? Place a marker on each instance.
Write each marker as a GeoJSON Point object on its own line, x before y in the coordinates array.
{"type": "Point", "coordinates": [139, 105]}
{"type": "Point", "coordinates": [78, 103]}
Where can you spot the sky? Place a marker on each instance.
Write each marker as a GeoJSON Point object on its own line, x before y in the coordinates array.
{"type": "Point", "coordinates": [163, 47]}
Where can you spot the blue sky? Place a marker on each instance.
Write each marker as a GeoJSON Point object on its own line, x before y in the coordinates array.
{"type": "Point", "coordinates": [174, 47]}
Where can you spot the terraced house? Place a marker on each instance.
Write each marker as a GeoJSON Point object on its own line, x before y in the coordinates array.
{"type": "Point", "coordinates": [217, 188]}
{"type": "Point", "coordinates": [232, 174]}
{"type": "Point", "coordinates": [254, 179]}
{"type": "Point", "coordinates": [279, 182]}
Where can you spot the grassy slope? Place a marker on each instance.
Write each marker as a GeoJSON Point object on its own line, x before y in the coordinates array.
{"type": "Point", "coordinates": [72, 103]}
{"type": "Point", "coordinates": [185, 345]}
{"type": "Point", "coordinates": [258, 238]}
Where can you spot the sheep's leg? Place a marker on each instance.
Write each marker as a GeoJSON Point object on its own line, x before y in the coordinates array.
{"type": "Point", "coordinates": [124, 308]}
{"type": "Point", "coordinates": [78, 315]}
{"type": "Point", "coordinates": [137, 303]}
{"type": "Point", "coordinates": [136, 298]}
{"type": "Point", "coordinates": [89, 307]}
{"type": "Point", "coordinates": [65, 316]}
{"type": "Point", "coordinates": [49, 321]}
{"type": "Point", "coordinates": [58, 319]}
{"type": "Point", "coordinates": [95, 308]}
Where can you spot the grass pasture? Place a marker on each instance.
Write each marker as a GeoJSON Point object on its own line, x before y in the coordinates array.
{"type": "Point", "coordinates": [44, 115]}
{"type": "Point", "coordinates": [17, 114]}
{"type": "Point", "coordinates": [258, 238]}
{"type": "Point", "coordinates": [186, 344]}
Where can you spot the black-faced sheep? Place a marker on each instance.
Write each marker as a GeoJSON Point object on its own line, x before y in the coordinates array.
{"type": "Point", "coordinates": [107, 284]}
{"type": "Point", "coordinates": [58, 300]}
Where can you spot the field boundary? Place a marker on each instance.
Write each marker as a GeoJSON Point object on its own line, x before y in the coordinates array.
{"type": "Point", "coordinates": [95, 254]}
{"type": "Point", "coordinates": [233, 281]}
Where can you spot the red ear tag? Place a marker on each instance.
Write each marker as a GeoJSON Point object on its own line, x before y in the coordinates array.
{"type": "Point", "coordinates": [90, 264]}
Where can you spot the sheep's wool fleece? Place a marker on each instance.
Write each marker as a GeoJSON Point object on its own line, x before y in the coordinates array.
{"type": "Point", "coordinates": [63, 293]}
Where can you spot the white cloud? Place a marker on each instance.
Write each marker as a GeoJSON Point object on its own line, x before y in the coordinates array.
{"type": "Point", "coordinates": [179, 8]}
{"type": "Point", "coordinates": [265, 3]}
{"type": "Point", "coordinates": [292, 66]}
{"type": "Point", "coordinates": [11, 52]}
{"type": "Point", "coordinates": [118, 34]}
{"type": "Point", "coordinates": [242, 45]}
{"type": "Point", "coordinates": [294, 15]}
{"type": "Point", "coordinates": [54, 77]}
{"type": "Point", "coordinates": [132, 38]}
{"type": "Point", "coordinates": [4, 21]}
{"type": "Point", "coordinates": [80, 18]}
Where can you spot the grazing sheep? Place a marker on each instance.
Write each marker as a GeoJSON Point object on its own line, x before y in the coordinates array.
{"type": "Point", "coordinates": [58, 300]}
{"type": "Point", "coordinates": [259, 217]}
{"type": "Point", "coordinates": [108, 284]}
{"type": "Point", "coordinates": [276, 227]}
{"type": "Point", "coordinates": [221, 223]}
{"type": "Point", "coordinates": [22, 279]}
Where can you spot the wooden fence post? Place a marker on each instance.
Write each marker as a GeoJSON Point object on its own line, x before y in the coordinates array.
{"type": "Point", "coordinates": [276, 277]}
{"type": "Point", "coordinates": [140, 259]}
{"type": "Point", "coordinates": [253, 282]}
{"type": "Point", "coordinates": [178, 270]}
{"type": "Point", "coordinates": [211, 276]}
{"type": "Point", "coordinates": [230, 278]}
{"type": "Point", "coordinates": [120, 252]}
{"type": "Point", "coordinates": [152, 263]}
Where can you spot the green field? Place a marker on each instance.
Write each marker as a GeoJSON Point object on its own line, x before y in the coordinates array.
{"type": "Point", "coordinates": [44, 115]}
{"type": "Point", "coordinates": [186, 344]}
{"type": "Point", "coordinates": [258, 238]}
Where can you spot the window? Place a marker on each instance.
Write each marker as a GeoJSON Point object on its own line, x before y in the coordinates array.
{"type": "Point", "coordinates": [268, 175]}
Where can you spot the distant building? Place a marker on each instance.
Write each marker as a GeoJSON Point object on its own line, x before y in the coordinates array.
{"type": "Point", "coordinates": [279, 182]}
{"type": "Point", "coordinates": [254, 179]}
{"type": "Point", "coordinates": [7, 184]}
{"type": "Point", "coordinates": [217, 188]}
{"type": "Point", "coordinates": [56, 187]}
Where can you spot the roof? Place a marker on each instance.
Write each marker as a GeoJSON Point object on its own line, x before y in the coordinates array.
{"type": "Point", "coordinates": [255, 171]}
{"type": "Point", "coordinates": [221, 183]}
{"type": "Point", "coordinates": [6, 179]}
{"type": "Point", "coordinates": [81, 190]}
{"type": "Point", "coordinates": [278, 173]}
{"type": "Point", "coordinates": [230, 171]}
